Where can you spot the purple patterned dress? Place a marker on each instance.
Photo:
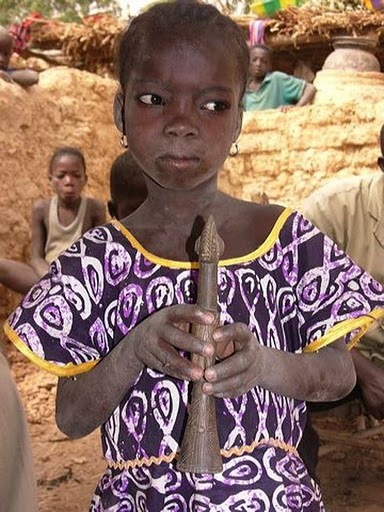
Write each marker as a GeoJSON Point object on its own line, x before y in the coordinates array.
{"type": "Point", "coordinates": [295, 288]}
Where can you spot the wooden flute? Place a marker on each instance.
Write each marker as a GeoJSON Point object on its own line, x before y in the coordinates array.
{"type": "Point", "coordinates": [200, 448]}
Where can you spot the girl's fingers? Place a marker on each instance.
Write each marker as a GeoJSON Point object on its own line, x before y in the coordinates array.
{"type": "Point", "coordinates": [188, 313]}
{"type": "Point", "coordinates": [237, 332]}
{"type": "Point", "coordinates": [168, 360]}
{"type": "Point", "coordinates": [237, 364]}
{"type": "Point", "coordinates": [185, 341]}
{"type": "Point", "coordinates": [230, 387]}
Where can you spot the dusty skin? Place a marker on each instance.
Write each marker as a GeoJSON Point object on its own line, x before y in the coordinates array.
{"type": "Point", "coordinates": [68, 471]}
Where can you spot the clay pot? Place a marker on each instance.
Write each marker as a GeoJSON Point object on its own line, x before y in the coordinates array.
{"type": "Point", "coordinates": [353, 54]}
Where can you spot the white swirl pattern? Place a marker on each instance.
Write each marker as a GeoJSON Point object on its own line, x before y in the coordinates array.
{"type": "Point", "coordinates": [102, 287]}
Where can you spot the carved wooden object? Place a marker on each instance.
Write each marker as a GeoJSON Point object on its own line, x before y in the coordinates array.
{"type": "Point", "coordinates": [200, 448]}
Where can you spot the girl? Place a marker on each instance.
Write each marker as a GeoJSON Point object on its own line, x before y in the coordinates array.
{"type": "Point", "coordinates": [108, 317]}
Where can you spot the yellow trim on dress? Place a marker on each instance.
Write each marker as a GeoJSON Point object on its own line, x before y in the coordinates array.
{"type": "Point", "coordinates": [341, 329]}
{"type": "Point", "coordinates": [235, 450]}
{"type": "Point", "coordinates": [164, 262]}
{"type": "Point", "coordinates": [68, 370]}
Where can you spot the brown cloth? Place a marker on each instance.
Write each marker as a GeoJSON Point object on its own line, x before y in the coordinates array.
{"type": "Point", "coordinates": [17, 478]}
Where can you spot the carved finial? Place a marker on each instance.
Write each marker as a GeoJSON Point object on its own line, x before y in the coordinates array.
{"type": "Point", "coordinates": [209, 246]}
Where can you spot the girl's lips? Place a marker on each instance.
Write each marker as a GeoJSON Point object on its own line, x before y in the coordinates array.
{"type": "Point", "coordinates": [180, 162]}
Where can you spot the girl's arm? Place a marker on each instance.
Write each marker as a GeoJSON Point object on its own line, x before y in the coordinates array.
{"type": "Point", "coordinates": [326, 375]}
{"type": "Point", "coordinates": [86, 401]}
{"type": "Point", "coordinates": [38, 239]}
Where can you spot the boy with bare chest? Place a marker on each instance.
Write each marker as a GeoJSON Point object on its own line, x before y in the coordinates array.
{"type": "Point", "coordinates": [56, 222]}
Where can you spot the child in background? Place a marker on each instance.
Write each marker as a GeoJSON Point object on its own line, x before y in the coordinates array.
{"type": "Point", "coordinates": [108, 317]}
{"type": "Point", "coordinates": [127, 187]}
{"type": "Point", "coordinates": [268, 89]}
{"type": "Point", "coordinates": [56, 222]}
{"type": "Point", "coordinates": [23, 77]}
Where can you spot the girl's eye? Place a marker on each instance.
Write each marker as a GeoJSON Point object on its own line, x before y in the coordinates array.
{"type": "Point", "coordinates": [151, 99]}
{"type": "Point", "coordinates": [216, 106]}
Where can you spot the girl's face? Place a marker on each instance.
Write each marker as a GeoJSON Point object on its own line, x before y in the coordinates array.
{"type": "Point", "coordinates": [182, 111]}
{"type": "Point", "coordinates": [68, 177]}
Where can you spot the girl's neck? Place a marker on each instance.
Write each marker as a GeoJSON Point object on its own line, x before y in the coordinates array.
{"type": "Point", "coordinates": [180, 207]}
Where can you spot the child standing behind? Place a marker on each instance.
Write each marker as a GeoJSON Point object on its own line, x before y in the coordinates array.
{"type": "Point", "coordinates": [126, 186]}
{"type": "Point", "coordinates": [56, 222]}
{"type": "Point", "coordinates": [108, 317]}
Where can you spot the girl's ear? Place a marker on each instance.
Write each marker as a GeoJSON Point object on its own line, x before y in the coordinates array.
{"type": "Point", "coordinates": [118, 111]}
{"type": "Point", "coordinates": [239, 124]}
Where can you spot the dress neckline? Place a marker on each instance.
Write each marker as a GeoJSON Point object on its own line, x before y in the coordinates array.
{"type": "Point", "coordinates": [165, 262]}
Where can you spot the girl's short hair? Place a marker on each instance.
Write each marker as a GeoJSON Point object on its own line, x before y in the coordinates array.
{"type": "Point", "coordinates": [66, 150]}
{"type": "Point", "coordinates": [180, 19]}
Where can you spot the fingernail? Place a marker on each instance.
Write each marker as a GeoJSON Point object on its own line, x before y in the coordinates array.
{"type": "Point", "coordinates": [207, 389]}
{"type": "Point", "coordinates": [208, 350]}
{"type": "Point", "coordinates": [197, 374]}
{"type": "Point", "coordinates": [216, 336]}
{"type": "Point", "coordinates": [209, 317]}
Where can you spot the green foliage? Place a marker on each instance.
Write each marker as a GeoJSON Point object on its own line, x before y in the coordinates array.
{"type": "Point", "coordinates": [65, 10]}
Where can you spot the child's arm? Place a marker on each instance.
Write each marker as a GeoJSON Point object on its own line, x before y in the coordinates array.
{"type": "Point", "coordinates": [24, 77]}
{"type": "Point", "coordinates": [38, 239]}
{"type": "Point", "coordinates": [86, 401]}
{"type": "Point", "coordinates": [5, 76]}
{"type": "Point", "coordinates": [311, 377]}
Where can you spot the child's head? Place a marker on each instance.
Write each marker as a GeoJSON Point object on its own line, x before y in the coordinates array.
{"type": "Point", "coordinates": [183, 70]}
{"type": "Point", "coordinates": [181, 20]}
{"type": "Point", "coordinates": [6, 47]}
{"type": "Point", "coordinates": [260, 61]}
{"type": "Point", "coordinates": [127, 187]}
{"type": "Point", "coordinates": [67, 173]}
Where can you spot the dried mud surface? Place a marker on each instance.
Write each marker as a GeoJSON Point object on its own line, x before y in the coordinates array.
{"type": "Point", "coordinates": [68, 470]}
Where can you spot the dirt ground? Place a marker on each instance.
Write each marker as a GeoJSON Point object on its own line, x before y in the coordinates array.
{"type": "Point", "coordinates": [67, 471]}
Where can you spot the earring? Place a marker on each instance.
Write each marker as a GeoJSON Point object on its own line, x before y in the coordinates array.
{"type": "Point", "coordinates": [123, 141]}
{"type": "Point", "coordinates": [235, 151]}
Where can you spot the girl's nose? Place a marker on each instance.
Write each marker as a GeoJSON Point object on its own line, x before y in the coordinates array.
{"type": "Point", "coordinates": [181, 127]}
{"type": "Point", "coordinates": [181, 121]}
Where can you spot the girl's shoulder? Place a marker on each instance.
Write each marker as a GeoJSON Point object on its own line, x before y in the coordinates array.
{"type": "Point", "coordinates": [249, 224]}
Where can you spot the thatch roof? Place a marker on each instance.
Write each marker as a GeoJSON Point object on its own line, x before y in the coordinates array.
{"type": "Point", "coordinates": [306, 34]}
{"type": "Point", "coordinates": [90, 45]}
{"type": "Point", "coordinates": [307, 31]}
{"type": "Point", "coordinates": [296, 27]}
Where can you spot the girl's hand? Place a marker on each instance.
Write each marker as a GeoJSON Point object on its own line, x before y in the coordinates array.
{"type": "Point", "coordinates": [238, 373]}
{"type": "Point", "coordinates": [158, 339]}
